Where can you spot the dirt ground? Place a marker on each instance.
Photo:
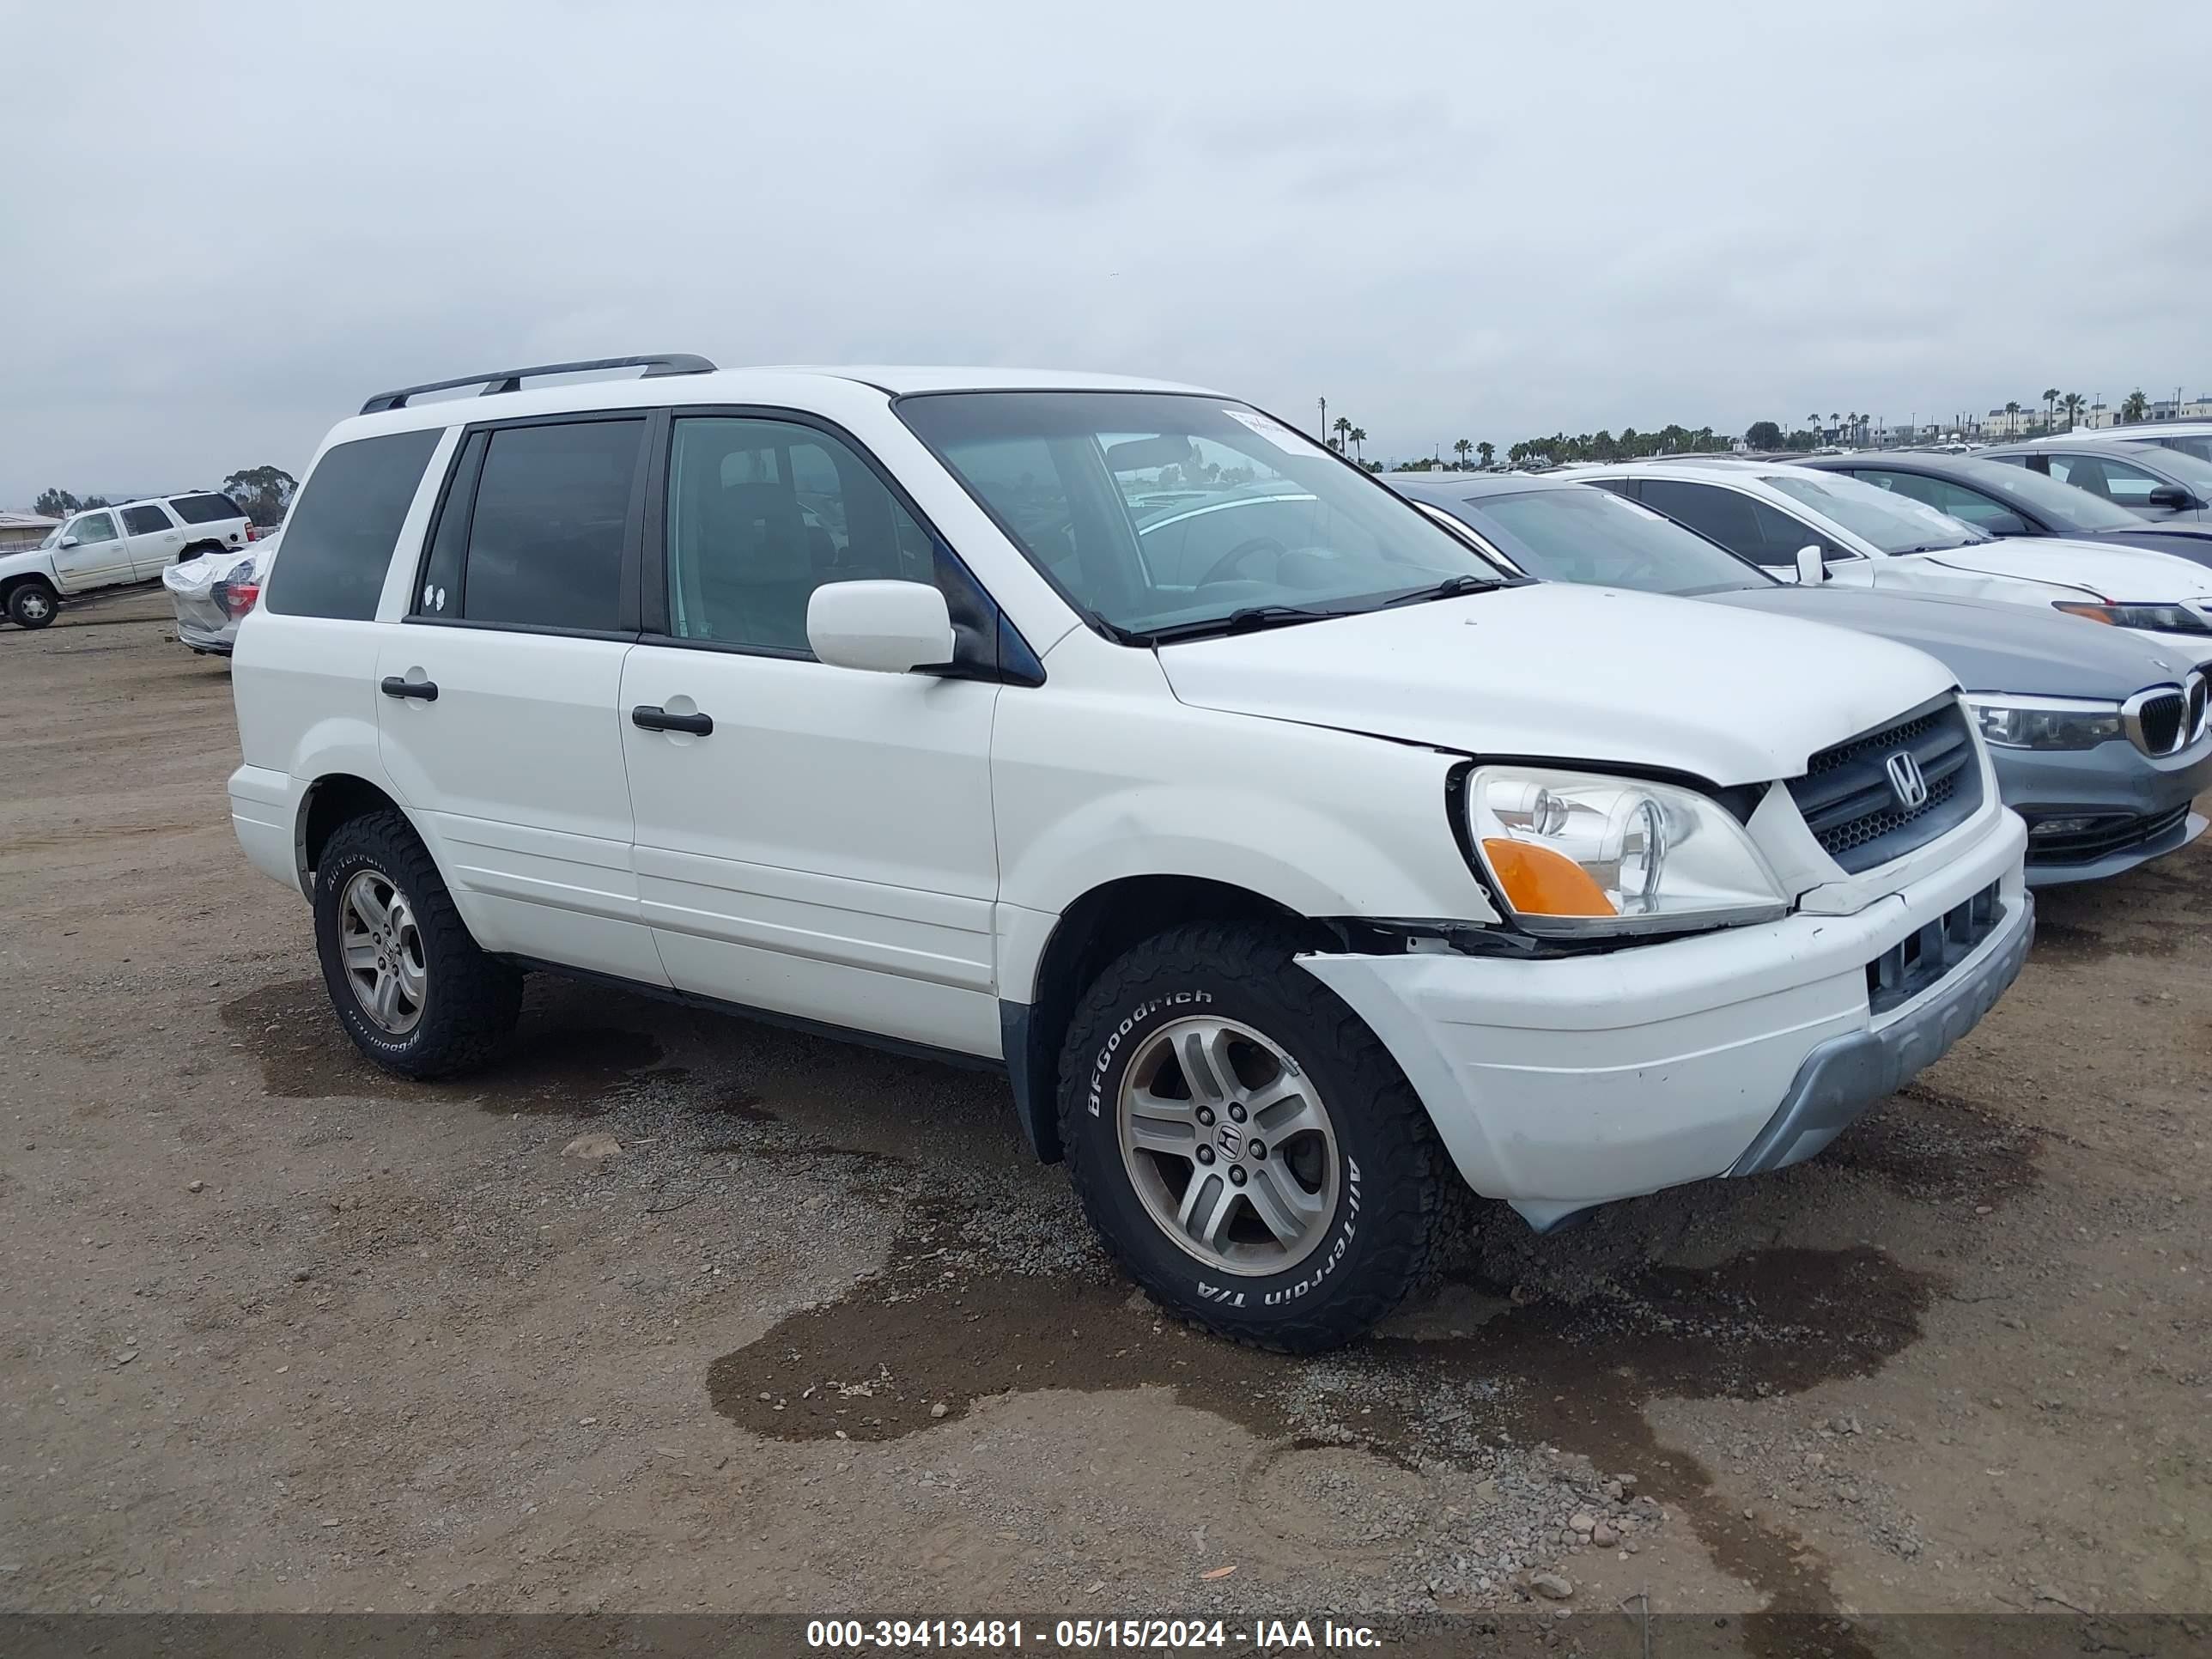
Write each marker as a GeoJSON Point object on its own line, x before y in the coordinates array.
{"type": "Point", "coordinates": [283, 1333]}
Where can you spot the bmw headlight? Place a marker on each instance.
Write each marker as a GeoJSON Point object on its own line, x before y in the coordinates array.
{"type": "Point", "coordinates": [1580, 853]}
{"type": "Point", "coordinates": [2014, 722]}
{"type": "Point", "coordinates": [2154, 618]}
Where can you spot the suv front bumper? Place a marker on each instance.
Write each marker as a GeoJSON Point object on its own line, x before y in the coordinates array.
{"type": "Point", "coordinates": [1557, 1083]}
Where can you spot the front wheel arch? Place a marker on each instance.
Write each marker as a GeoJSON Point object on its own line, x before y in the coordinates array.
{"type": "Point", "coordinates": [1090, 933]}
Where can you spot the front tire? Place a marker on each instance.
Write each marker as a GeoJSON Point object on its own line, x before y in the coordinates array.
{"type": "Point", "coordinates": [31, 604]}
{"type": "Point", "coordinates": [405, 979]}
{"type": "Point", "coordinates": [1247, 1149]}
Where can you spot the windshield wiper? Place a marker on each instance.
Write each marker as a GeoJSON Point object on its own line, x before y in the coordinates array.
{"type": "Point", "coordinates": [1449, 588]}
{"type": "Point", "coordinates": [1243, 621]}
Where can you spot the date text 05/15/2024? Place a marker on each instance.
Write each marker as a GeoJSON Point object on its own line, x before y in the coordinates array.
{"type": "Point", "coordinates": [1085, 1634]}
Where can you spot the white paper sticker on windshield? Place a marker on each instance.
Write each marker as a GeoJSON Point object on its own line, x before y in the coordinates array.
{"type": "Point", "coordinates": [1283, 438]}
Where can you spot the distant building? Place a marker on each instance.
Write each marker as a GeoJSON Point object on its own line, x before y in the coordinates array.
{"type": "Point", "coordinates": [21, 530]}
{"type": "Point", "coordinates": [2198, 407]}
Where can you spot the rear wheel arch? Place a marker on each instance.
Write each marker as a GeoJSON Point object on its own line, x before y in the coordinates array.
{"type": "Point", "coordinates": [332, 801]}
{"type": "Point", "coordinates": [1090, 933]}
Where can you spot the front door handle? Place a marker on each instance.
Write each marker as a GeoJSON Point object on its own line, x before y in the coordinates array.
{"type": "Point", "coordinates": [396, 687]}
{"type": "Point", "coordinates": [652, 717]}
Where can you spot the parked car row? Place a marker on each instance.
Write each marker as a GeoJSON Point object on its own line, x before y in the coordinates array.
{"type": "Point", "coordinates": [107, 546]}
{"type": "Point", "coordinates": [1299, 859]}
{"type": "Point", "coordinates": [2101, 741]}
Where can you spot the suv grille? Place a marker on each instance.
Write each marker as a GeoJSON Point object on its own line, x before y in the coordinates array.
{"type": "Point", "coordinates": [1855, 810]}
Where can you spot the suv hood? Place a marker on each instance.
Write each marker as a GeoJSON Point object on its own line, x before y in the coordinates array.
{"type": "Point", "coordinates": [2120, 574]}
{"type": "Point", "coordinates": [1556, 671]}
{"type": "Point", "coordinates": [1990, 647]}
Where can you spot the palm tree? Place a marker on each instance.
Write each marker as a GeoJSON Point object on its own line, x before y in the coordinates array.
{"type": "Point", "coordinates": [1485, 449]}
{"type": "Point", "coordinates": [1342, 427]}
{"type": "Point", "coordinates": [2071, 402]}
{"type": "Point", "coordinates": [2012, 420]}
{"type": "Point", "coordinates": [2137, 407]}
{"type": "Point", "coordinates": [1814, 422]}
{"type": "Point", "coordinates": [1836, 420]}
{"type": "Point", "coordinates": [1359, 436]}
{"type": "Point", "coordinates": [2050, 406]}
{"type": "Point", "coordinates": [1459, 449]}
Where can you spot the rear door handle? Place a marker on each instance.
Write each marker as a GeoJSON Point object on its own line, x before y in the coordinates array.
{"type": "Point", "coordinates": [396, 687]}
{"type": "Point", "coordinates": [652, 717]}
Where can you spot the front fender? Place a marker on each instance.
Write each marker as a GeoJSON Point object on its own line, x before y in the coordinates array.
{"type": "Point", "coordinates": [1322, 823]}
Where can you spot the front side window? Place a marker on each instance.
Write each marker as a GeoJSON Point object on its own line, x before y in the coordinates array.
{"type": "Point", "coordinates": [2064, 507]}
{"type": "Point", "coordinates": [1960, 502]}
{"type": "Point", "coordinates": [92, 529]}
{"type": "Point", "coordinates": [761, 513]}
{"type": "Point", "coordinates": [2117, 482]}
{"type": "Point", "coordinates": [1585, 535]}
{"type": "Point", "coordinates": [1743, 524]}
{"type": "Point", "coordinates": [1158, 514]}
{"type": "Point", "coordinates": [546, 533]}
{"type": "Point", "coordinates": [1893, 523]}
{"type": "Point", "coordinates": [146, 521]}
{"type": "Point", "coordinates": [339, 538]}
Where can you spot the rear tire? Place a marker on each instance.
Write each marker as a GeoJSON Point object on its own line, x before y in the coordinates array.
{"type": "Point", "coordinates": [1301, 1195]}
{"type": "Point", "coordinates": [405, 979]}
{"type": "Point", "coordinates": [32, 604]}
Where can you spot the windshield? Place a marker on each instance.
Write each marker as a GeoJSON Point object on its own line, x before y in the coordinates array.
{"type": "Point", "coordinates": [1161, 512]}
{"type": "Point", "coordinates": [1585, 535]}
{"type": "Point", "coordinates": [2065, 505]}
{"type": "Point", "coordinates": [2189, 465]}
{"type": "Point", "coordinates": [1891, 523]}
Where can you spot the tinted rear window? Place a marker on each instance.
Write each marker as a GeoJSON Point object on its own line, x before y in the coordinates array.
{"type": "Point", "coordinates": [339, 539]}
{"type": "Point", "coordinates": [552, 511]}
{"type": "Point", "coordinates": [144, 520]}
{"type": "Point", "coordinates": [205, 509]}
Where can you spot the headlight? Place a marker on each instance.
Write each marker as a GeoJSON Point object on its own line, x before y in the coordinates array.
{"type": "Point", "coordinates": [2157, 619]}
{"type": "Point", "coordinates": [2009, 722]}
{"type": "Point", "coordinates": [1579, 853]}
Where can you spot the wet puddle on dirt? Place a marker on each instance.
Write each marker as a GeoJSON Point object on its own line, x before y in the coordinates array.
{"type": "Point", "coordinates": [1469, 1368]}
{"type": "Point", "coordinates": [558, 1065]}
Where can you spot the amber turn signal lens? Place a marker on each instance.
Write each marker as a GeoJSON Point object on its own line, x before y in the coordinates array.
{"type": "Point", "coordinates": [1539, 882]}
{"type": "Point", "coordinates": [2096, 613]}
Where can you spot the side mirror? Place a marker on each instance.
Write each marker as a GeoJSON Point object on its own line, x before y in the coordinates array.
{"type": "Point", "coordinates": [1812, 568]}
{"type": "Point", "coordinates": [888, 628]}
{"type": "Point", "coordinates": [69, 541]}
{"type": "Point", "coordinates": [2001, 523]}
{"type": "Point", "coordinates": [2171, 495]}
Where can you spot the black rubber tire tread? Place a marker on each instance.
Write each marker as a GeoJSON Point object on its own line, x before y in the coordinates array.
{"type": "Point", "coordinates": [15, 616]}
{"type": "Point", "coordinates": [474, 999]}
{"type": "Point", "coordinates": [1406, 1212]}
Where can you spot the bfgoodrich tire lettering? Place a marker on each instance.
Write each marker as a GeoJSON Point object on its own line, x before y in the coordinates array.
{"type": "Point", "coordinates": [1309, 1081]}
{"type": "Point", "coordinates": [468, 1000]}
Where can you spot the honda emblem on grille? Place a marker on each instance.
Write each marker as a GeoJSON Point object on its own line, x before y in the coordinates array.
{"type": "Point", "coordinates": [1907, 779]}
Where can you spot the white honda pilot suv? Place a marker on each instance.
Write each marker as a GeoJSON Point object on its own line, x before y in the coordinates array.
{"type": "Point", "coordinates": [1293, 862]}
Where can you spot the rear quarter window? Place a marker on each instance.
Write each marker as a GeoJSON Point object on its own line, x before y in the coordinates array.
{"type": "Point", "coordinates": [339, 539]}
{"type": "Point", "coordinates": [205, 509]}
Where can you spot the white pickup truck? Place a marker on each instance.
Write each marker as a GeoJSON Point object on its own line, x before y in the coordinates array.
{"type": "Point", "coordinates": [1295, 862]}
{"type": "Point", "coordinates": [106, 546]}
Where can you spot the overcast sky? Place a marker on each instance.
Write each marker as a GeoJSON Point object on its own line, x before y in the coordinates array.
{"type": "Point", "coordinates": [225, 226]}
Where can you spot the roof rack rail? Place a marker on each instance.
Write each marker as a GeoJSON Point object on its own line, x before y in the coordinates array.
{"type": "Point", "coordinates": [511, 380]}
